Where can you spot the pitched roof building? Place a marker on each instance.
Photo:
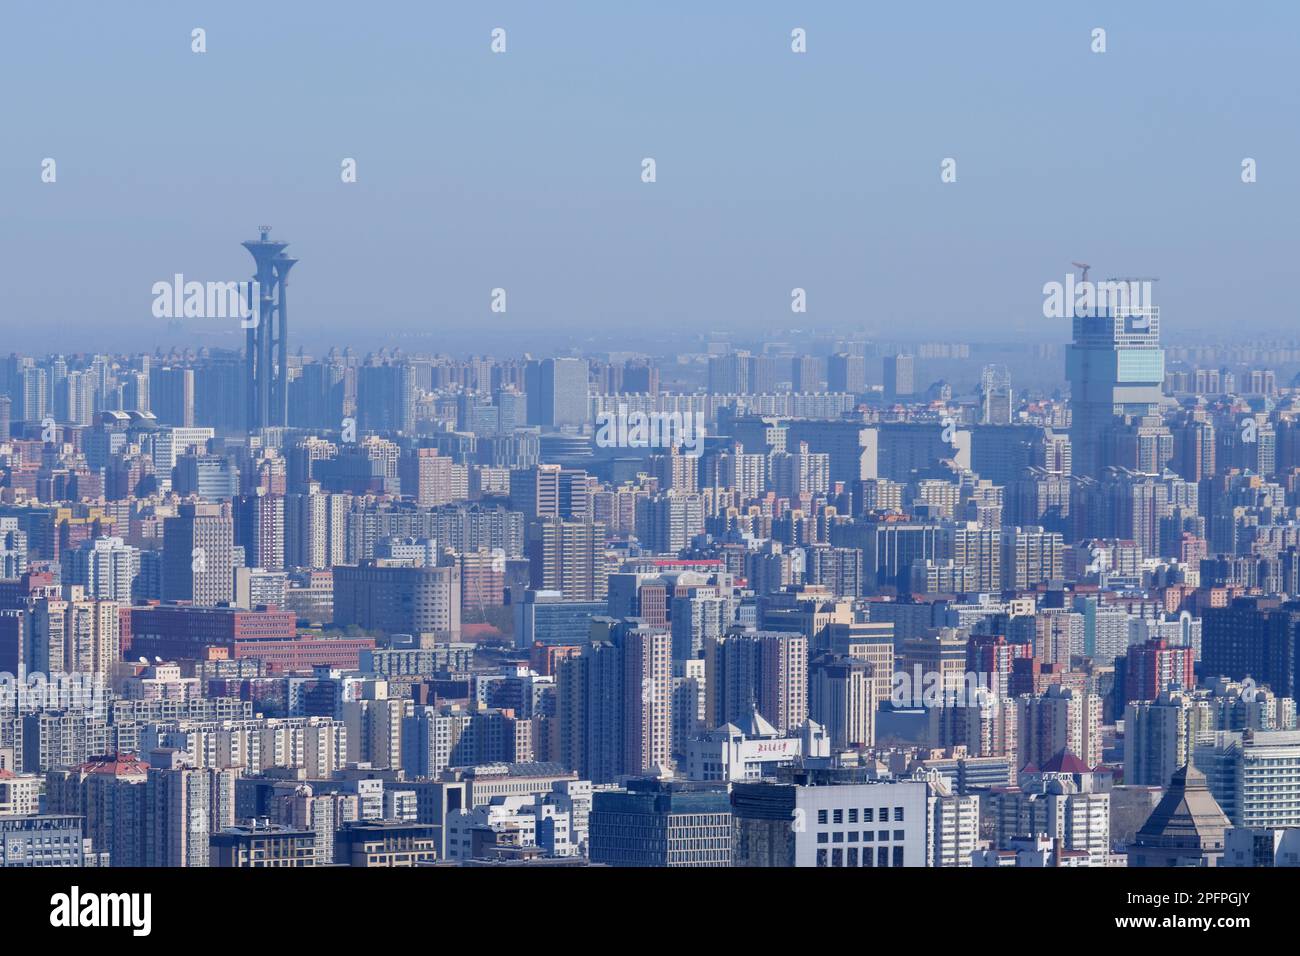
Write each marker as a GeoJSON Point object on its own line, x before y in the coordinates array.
{"type": "Point", "coordinates": [1185, 829]}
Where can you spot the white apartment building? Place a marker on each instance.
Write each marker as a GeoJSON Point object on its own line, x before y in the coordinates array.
{"type": "Point", "coordinates": [1254, 776]}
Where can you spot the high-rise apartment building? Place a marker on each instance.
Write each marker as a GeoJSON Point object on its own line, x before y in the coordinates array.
{"type": "Point", "coordinates": [199, 555]}
{"type": "Point", "coordinates": [765, 671]}
{"type": "Point", "coordinates": [557, 392]}
{"type": "Point", "coordinates": [841, 697]}
{"type": "Point", "coordinates": [846, 372]}
{"type": "Point", "coordinates": [1060, 720]}
{"type": "Point", "coordinates": [183, 807]}
{"type": "Point", "coordinates": [105, 567]}
{"type": "Point", "coordinates": [900, 376]}
{"type": "Point", "coordinates": [569, 557]}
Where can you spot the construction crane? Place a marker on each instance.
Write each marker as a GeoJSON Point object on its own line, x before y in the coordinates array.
{"type": "Point", "coordinates": [1132, 282]}
{"type": "Point", "coordinates": [1085, 267]}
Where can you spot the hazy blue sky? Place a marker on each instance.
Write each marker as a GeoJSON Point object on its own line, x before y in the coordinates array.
{"type": "Point", "coordinates": [522, 170]}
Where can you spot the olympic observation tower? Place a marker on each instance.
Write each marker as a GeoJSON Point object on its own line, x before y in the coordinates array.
{"type": "Point", "coordinates": [267, 340]}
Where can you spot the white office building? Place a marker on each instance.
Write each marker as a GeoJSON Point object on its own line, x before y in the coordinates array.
{"type": "Point", "coordinates": [751, 752]}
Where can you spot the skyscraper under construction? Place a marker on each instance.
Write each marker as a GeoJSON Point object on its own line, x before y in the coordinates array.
{"type": "Point", "coordinates": [1116, 369]}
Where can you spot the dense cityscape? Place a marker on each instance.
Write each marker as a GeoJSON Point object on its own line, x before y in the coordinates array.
{"type": "Point", "coordinates": [527, 467]}
{"type": "Point", "coordinates": [794, 604]}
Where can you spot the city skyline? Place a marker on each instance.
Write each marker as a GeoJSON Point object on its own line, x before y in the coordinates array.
{"type": "Point", "coordinates": [586, 437]}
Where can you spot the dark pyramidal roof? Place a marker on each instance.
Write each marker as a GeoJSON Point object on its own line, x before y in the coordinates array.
{"type": "Point", "coordinates": [1187, 815]}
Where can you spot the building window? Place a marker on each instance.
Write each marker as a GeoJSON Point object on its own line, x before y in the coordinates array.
{"type": "Point", "coordinates": [821, 857]}
{"type": "Point", "coordinates": [822, 817]}
{"type": "Point", "coordinates": [898, 856]}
